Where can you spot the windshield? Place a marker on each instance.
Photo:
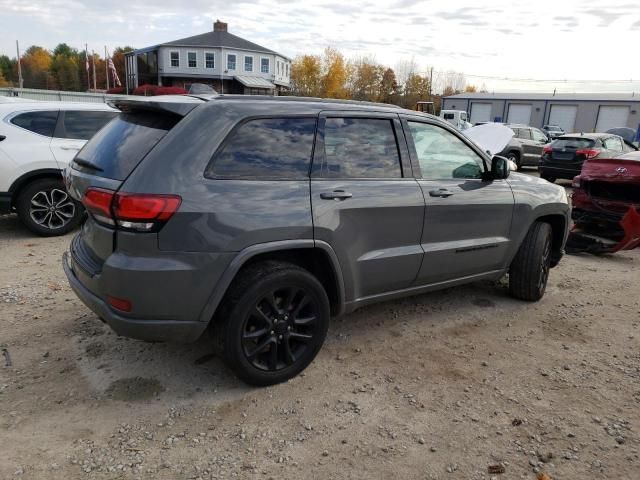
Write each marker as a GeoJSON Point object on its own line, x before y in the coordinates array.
{"type": "Point", "coordinates": [449, 116]}
{"type": "Point", "coordinates": [553, 128]}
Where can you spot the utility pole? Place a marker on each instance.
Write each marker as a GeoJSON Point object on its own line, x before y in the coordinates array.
{"type": "Point", "coordinates": [86, 65]}
{"type": "Point", "coordinates": [430, 82]}
{"type": "Point", "coordinates": [106, 65]}
{"type": "Point", "coordinates": [93, 57]}
{"type": "Point", "coordinates": [20, 81]}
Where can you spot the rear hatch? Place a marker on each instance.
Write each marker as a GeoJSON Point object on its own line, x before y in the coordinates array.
{"type": "Point", "coordinates": [98, 171]}
{"type": "Point", "coordinates": [571, 151]}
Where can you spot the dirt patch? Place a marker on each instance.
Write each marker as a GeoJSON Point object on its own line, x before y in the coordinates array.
{"type": "Point", "coordinates": [134, 389]}
{"type": "Point", "coordinates": [425, 387]}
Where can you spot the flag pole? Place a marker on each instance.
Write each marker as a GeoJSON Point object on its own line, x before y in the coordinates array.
{"type": "Point", "coordinates": [93, 57]}
{"type": "Point", "coordinates": [20, 81]}
{"type": "Point", "coordinates": [86, 65]}
{"type": "Point", "coordinates": [106, 65]}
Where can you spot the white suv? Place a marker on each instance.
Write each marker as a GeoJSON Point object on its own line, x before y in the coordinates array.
{"type": "Point", "coordinates": [37, 141]}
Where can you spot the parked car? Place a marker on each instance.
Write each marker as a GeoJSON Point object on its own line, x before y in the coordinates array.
{"type": "Point", "coordinates": [457, 118]}
{"type": "Point", "coordinates": [259, 218]}
{"type": "Point", "coordinates": [525, 148]}
{"type": "Point", "coordinates": [563, 158]}
{"type": "Point", "coordinates": [37, 140]}
{"type": "Point", "coordinates": [605, 200]}
{"type": "Point", "coordinates": [552, 131]}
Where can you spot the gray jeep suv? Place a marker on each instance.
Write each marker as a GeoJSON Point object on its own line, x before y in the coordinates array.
{"type": "Point", "coordinates": [526, 146]}
{"type": "Point", "coordinates": [259, 218]}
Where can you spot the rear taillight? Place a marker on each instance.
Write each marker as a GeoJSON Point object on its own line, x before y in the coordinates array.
{"type": "Point", "coordinates": [547, 149]}
{"type": "Point", "coordinates": [144, 212]}
{"type": "Point", "coordinates": [588, 153]}
{"type": "Point", "coordinates": [98, 201]}
{"type": "Point", "coordinates": [576, 182]}
{"type": "Point", "coordinates": [131, 211]}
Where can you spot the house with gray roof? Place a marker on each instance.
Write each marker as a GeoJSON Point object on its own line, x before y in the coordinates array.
{"type": "Point", "coordinates": [226, 62]}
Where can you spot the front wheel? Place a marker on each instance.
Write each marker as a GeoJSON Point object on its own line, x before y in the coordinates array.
{"type": "Point", "coordinates": [529, 271]}
{"type": "Point", "coordinates": [45, 208]}
{"type": "Point", "coordinates": [515, 158]}
{"type": "Point", "coordinates": [273, 322]}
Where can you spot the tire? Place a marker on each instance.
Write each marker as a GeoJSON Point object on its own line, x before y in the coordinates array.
{"type": "Point", "coordinates": [515, 158]}
{"type": "Point", "coordinates": [529, 270]}
{"type": "Point", "coordinates": [265, 307]}
{"type": "Point", "coordinates": [45, 208]}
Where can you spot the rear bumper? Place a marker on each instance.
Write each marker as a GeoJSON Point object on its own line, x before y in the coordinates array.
{"type": "Point", "coordinates": [557, 172]}
{"type": "Point", "coordinates": [5, 202]}
{"type": "Point", "coordinates": [150, 330]}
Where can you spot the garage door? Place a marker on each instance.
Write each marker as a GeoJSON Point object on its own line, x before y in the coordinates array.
{"type": "Point", "coordinates": [519, 113]}
{"type": "Point", "coordinates": [611, 117]}
{"type": "Point", "coordinates": [564, 116]}
{"type": "Point", "coordinates": [480, 112]}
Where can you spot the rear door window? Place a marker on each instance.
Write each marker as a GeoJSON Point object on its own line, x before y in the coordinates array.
{"type": "Point", "coordinates": [41, 122]}
{"type": "Point", "coordinates": [538, 136]}
{"type": "Point", "coordinates": [360, 148]}
{"type": "Point", "coordinates": [278, 148]}
{"type": "Point", "coordinates": [524, 134]}
{"type": "Point", "coordinates": [82, 125]}
{"type": "Point", "coordinates": [116, 150]}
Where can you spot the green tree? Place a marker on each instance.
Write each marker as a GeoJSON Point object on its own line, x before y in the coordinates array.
{"type": "Point", "coordinates": [6, 67]}
{"type": "Point", "coordinates": [389, 88]}
{"type": "Point", "coordinates": [64, 69]}
{"type": "Point", "coordinates": [415, 89]}
{"type": "Point", "coordinates": [35, 67]}
{"type": "Point", "coordinates": [366, 80]}
{"type": "Point", "coordinates": [65, 50]}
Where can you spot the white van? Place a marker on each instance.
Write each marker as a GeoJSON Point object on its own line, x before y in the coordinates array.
{"type": "Point", "coordinates": [457, 118]}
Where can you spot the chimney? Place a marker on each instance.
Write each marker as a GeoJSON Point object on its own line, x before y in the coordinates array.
{"type": "Point", "coordinates": [219, 26]}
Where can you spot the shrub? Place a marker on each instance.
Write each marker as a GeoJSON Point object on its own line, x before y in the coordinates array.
{"type": "Point", "coordinates": [170, 91]}
{"type": "Point", "coordinates": [146, 90]}
{"type": "Point", "coordinates": [149, 90]}
{"type": "Point", "coordinates": [116, 90]}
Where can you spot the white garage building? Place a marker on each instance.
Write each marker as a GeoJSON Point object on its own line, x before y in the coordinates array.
{"type": "Point", "coordinates": [580, 112]}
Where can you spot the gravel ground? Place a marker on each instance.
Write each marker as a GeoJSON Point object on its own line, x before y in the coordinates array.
{"type": "Point", "coordinates": [466, 383]}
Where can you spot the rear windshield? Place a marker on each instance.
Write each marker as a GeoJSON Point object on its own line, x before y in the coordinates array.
{"type": "Point", "coordinates": [449, 116]}
{"type": "Point", "coordinates": [573, 143]}
{"type": "Point", "coordinates": [117, 149]}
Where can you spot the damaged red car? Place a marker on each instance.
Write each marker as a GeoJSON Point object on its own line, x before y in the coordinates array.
{"type": "Point", "coordinates": [606, 205]}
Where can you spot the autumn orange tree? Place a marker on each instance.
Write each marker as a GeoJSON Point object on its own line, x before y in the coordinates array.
{"type": "Point", "coordinates": [335, 75]}
{"type": "Point", "coordinates": [306, 76]}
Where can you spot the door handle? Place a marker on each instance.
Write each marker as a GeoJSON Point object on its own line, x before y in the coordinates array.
{"type": "Point", "coordinates": [335, 195]}
{"type": "Point", "coordinates": [440, 192]}
{"type": "Point", "coordinates": [69, 147]}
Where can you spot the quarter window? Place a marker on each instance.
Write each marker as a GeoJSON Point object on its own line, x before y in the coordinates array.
{"type": "Point", "coordinates": [266, 148]}
{"type": "Point", "coordinates": [613, 143]}
{"type": "Point", "coordinates": [192, 59]}
{"type": "Point", "coordinates": [248, 64]}
{"type": "Point", "coordinates": [264, 65]}
{"type": "Point", "coordinates": [209, 60]}
{"type": "Point", "coordinates": [231, 62]}
{"type": "Point", "coordinates": [360, 148]}
{"type": "Point", "coordinates": [442, 155]}
{"type": "Point", "coordinates": [82, 125]}
{"type": "Point", "coordinates": [538, 136]}
{"type": "Point", "coordinates": [175, 59]}
{"type": "Point", "coordinates": [42, 123]}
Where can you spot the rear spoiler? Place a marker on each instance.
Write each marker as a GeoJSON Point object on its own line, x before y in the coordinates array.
{"type": "Point", "coordinates": [176, 104]}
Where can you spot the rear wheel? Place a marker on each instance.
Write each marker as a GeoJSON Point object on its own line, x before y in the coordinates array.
{"type": "Point", "coordinates": [529, 271]}
{"type": "Point", "coordinates": [45, 208]}
{"type": "Point", "coordinates": [272, 323]}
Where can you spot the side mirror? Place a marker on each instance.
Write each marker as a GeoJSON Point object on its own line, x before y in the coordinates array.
{"type": "Point", "coordinates": [500, 167]}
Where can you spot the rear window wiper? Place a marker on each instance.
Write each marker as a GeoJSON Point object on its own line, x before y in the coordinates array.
{"type": "Point", "coordinates": [87, 164]}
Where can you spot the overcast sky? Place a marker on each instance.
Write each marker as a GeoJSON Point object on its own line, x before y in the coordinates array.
{"type": "Point", "coordinates": [538, 39]}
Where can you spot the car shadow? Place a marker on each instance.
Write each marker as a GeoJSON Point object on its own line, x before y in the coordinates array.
{"type": "Point", "coordinates": [125, 369]}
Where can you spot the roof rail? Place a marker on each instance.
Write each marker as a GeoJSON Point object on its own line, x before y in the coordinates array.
{"type": "Point", "coordinates": [291, 98]}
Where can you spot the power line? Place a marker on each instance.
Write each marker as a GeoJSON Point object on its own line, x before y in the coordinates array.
{"type": "Point", "coordinates": [524, 80]}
